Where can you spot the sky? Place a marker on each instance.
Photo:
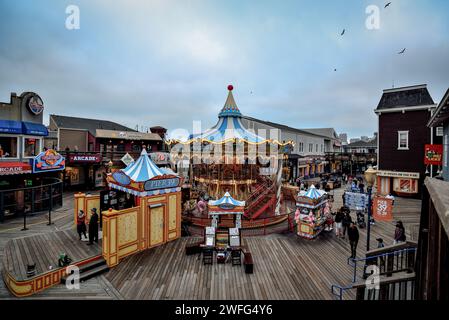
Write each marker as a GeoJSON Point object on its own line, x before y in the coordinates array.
{"type": "Point", "coordinates": [168, 63]}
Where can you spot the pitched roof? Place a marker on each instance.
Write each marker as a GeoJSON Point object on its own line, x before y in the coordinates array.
{"type": "Point", "coordinates": [441, 114]}
{"type": "Point", "coordinates": [412, 96]}
{"type": "Point", "coordinates": [88, 124]}
{"type": "Point", "coordinates": [282, 126]}
{"type": "Point", "coordinates": [363, 144]}
{"type": "Point", "coordinates": [325, 132]}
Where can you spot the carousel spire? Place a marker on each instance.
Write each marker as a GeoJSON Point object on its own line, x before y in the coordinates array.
{"type": "Point", "coordinates": [230, 108]}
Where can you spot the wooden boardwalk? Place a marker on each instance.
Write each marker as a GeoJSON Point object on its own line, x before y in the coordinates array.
{"type": "Point", "coordinates": [286, 267]}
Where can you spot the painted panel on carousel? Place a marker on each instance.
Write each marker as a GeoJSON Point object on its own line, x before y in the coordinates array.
{"type": "Point", "coordinates": [48, 160]}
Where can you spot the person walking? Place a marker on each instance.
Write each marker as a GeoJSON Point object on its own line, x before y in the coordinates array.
{"type": "Point", "coordinates": [399, 233]}
{"type": "Point", "coordinates": [81, 224]}
{"type": "Point", "coordinates": [339, 224]}
{"type": "Point", "coordinates": [347, 220]}
{"type": "Point", "coordinates": [353, 235]}
{"type": "Point", "coordinates": [93, 227]}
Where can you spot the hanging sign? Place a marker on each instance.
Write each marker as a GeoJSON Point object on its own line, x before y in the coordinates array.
{"type": "Point", "coordinates": [83, 158]}
{"type": "Point", "coordinates": [356, 201]}
{"type": "Point", "coordinates": [127, 159]}
{"type": "Point", "coordinates": [48, 160]}
{"type": "Point", "coordinates": [433, 154]}
{"type": "Point", "coordinates": [382, 209]}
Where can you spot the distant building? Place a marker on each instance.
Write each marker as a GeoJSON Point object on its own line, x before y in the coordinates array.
{"type": "Point", "coordinates": [403, 114]}
{"type": "Point", "coordinates": [307, 159]}
{"type": "Point", "coordinates": [332, 142]}
{"type": "Point", "coordinates": [343, 138]}
{"type": "Point", "coordinates": [90, 145]}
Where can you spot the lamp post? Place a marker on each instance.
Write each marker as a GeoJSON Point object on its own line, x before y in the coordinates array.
{"type": "Point", "coordinates": [370, 177]}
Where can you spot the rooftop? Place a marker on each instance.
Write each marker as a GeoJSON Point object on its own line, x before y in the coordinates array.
{"type": "Point", "coordinates": [441, 114]}
{"type": "Point", "coordinates": [88, 124]}
{"type": "Point", "coordinates": [412, 96]}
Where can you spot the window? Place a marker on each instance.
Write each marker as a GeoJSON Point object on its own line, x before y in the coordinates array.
{"type": "Point", "coordinates": [310, 147]}
{"type": "Point", "coordinates": [8, 147]}
{"type": "Point", "coordinates": [439, 131]}
{"type": "Point", "coordinates": [31, 147]}
{"type": "Point", "coordinates": [322, 148]}
{"type": "Point", "coordinates": [402, 140]}
{"type": "Point", "coordinates": [316, 147]}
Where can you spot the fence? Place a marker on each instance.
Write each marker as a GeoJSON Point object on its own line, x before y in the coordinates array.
{"type": "Point", "coordinates": [21, 201]}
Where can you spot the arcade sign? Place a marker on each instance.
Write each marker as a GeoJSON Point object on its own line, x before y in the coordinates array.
{"type": "Point", "coordinates": [48, 160]}
{"type": "Point", "coordinates": [161, 184]}
{"type": "Point", "coordinates": [82, 158]}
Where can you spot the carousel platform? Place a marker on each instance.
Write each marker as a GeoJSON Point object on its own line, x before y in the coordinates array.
{"type": "Point", "coordinates": [44, 251]}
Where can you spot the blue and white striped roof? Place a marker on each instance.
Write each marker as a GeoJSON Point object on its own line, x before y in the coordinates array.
{"type": "Point", "coordinates": [313, 193]}
{"type": "Point", "coordinates": [227, 199]}
{"type": "Point", "coordinates": [142, 169]}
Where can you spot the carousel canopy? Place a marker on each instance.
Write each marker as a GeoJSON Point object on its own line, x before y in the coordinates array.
{"type": "Point", "coordinates": [313, 193]}
{"type": "Point", "coordinates": [142, 169]}
{"type": "Point", "coordinates": [227, 200]}
{"type": "Point", "coordinates": [229, 128]}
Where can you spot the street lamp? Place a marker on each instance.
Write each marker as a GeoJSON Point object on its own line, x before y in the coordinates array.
{"type": "Point", "coordinates": [370, 177]}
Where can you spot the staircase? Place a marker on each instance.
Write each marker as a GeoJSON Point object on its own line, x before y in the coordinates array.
{"type": "Point", "coordinates": [396, 274]}
{"type": "Point", "coordinates": [260, 199]}
{"type": "Point", "coordinates": [89, 270]}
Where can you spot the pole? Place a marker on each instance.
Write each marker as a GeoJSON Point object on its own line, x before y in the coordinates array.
{"type": "Point", "coordinates": [24, 222]}
{"type": "Point", "coordinates": [368, 228]}
{"type": "Point", "coordinates": [50, 206]}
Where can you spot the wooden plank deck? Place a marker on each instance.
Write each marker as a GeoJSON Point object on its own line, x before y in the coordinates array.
{"type": "Point", "coordinates": [44, 250]}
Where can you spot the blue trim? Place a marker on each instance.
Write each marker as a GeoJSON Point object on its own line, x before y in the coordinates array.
{"type": "Point", "coordinates": [10, 126]}
{"type": "Point", "coordinates": [34, 129]}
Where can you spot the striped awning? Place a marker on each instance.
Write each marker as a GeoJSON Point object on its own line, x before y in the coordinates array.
{"type": "Point", "coordinates": [227, 200]}
{"type": "Point", "coordinates": [313, 193]}
{"type": "Point", "coordinates": [142, 169]}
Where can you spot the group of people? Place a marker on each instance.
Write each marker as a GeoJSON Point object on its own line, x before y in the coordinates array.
{"type": "Point", "coordinates": [93, 225]}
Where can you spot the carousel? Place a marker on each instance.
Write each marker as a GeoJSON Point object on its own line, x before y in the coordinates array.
{"type": "Point", "coordinates": [230, 158]}
{"type": "Point", "coordinates": [312, 213]}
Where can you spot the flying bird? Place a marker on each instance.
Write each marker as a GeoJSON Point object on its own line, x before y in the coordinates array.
{"type": "Point", "coordinates": [343, 32]}
{"type": "Point", "coordinates": [335, 69]}
{"type": "Point", "coordinates": [402, 51]}
{"type": "Point", "coordinates": [387, 5]}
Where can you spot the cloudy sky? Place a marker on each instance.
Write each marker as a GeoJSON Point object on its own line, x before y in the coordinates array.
{"type": "Point", "coordinates": [164, 62]}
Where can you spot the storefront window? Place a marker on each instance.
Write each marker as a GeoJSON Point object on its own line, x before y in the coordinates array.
{"type": "Point", "coordinates": [31, 147]}
{"type": "Point", "coordinates": [8, 147]}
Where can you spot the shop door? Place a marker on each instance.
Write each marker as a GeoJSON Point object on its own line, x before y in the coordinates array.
{"type": "Point", "coordinates": [156, 225]}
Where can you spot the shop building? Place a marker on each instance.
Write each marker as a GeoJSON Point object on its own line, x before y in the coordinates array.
{"type": "Point", "coordinates": [29, 174]}
{"type": "Point", "coordinates": [307, 158]}
{"type": "Point", "coordinates": [94, 147]}
{"type": "Point", "coordinates": [403, 114]}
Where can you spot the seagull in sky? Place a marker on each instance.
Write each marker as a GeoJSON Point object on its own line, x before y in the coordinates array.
{"type": "Point", "coordinates": [387, 5]}
{"type": "Point", "coordinates": [343, 32]}
{"type": "Point", "coordinates": [402, 51]}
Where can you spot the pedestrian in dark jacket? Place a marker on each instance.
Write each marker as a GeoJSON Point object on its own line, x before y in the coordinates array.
{"type": "Point", "coordinates": [93, 227]}
{"type": "Point", "coordinates": [399, 233]}
{"type": "Point", "coordinates": [353, 235]}
{"type": "Point", "coordinates": [347, 220]}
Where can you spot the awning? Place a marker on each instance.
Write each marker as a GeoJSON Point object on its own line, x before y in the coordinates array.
{"type": "Point", "coordinates": [35, 129]}
{"type": "Point", "coordinates": [8, 168]}
{"type": "Point", "coordinates": [10, 126]}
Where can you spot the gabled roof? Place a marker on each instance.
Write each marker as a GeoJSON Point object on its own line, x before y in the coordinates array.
{"type": "Point", "coordinates": [90, 125]}
{"type": "Point", "coordinates": [363, 144]}
{"type": "Point", "coordinates": [412, 96]}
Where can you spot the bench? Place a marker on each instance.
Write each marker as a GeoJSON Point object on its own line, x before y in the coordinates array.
{"type": "Point", "coordinates": [248, 262]}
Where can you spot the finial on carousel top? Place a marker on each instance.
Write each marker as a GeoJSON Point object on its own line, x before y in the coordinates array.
{"type": "Point", "coordinates": [230, 108]}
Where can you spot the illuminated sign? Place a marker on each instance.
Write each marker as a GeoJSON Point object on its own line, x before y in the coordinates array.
{"type": "Point", "coordinates": [94, 158]}
{"type": "Point", "coordinates": [161, 184]}
{"type": "Point", "coordinates": [48, 160]}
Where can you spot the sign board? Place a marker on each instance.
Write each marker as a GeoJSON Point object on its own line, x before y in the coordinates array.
{"type": "Point", "coordinates": [7, 168]}
{"type": "Point", "coordinates": [48, 160]}
{"type": "Point", "coordinates": [82, 158]}
{"type": "Point", "coordinates": [382, 209]}
{"type": "Point", "coordinates": [433, 154]}
{"type": "Point", "coordinates": [160, 157]}
{"type": "Point", "coordinates": [121, 178]}
{"type": "Point", "coordinates": [127, 159]}
{"type": "Point", "coordinates": [356, 201]}
{"type": "Point", "coordinates": [161, 184]}
{"type": "Point", "coordinates": [34, 104]}
{"type": "Point", "coordinates": [397, 174]}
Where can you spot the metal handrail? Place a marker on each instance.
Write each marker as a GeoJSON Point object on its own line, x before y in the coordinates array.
{"type": "Point", "coordinates": [341, 290]}
{"type": "Point", "coordinates": [57, 181]}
